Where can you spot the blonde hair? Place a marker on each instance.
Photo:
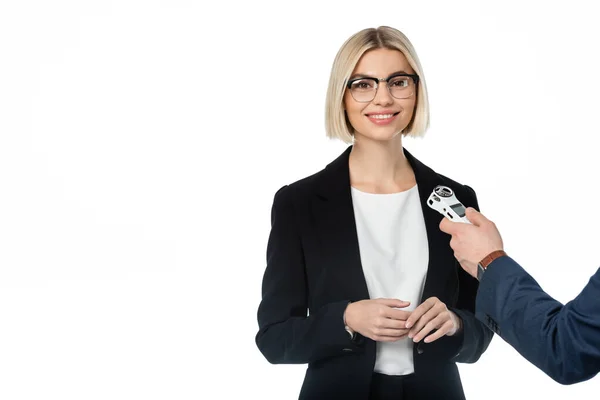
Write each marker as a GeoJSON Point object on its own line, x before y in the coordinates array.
{"type": "Point", "coordinates": [337, 124]}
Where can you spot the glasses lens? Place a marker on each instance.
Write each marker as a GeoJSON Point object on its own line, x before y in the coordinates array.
{"type": "Point", "coordinates": [363, 90]}
{"type": "Point", "coordinates": [401, 87]}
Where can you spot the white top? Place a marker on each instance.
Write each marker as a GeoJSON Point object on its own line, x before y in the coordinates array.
{"type": "Point", "coordinates": [394, 254]}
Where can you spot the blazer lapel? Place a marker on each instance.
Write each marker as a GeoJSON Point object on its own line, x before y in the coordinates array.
{"type": "Point", "coordinates": [336, 228]}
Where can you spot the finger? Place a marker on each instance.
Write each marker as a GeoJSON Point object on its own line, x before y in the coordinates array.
{"type": "Point", "coordinates": [418, 313]}
{"type": "Point", "coordinates": [453, 243]}
{"type": "Point", "coordinates": [422, 322]}
{"type": "Point", "coordinates": [388, 332]}
{"type": "Point", "coordinates": [432, 313]}
{"type": "Point", "coordinates": [439, 333]}
{"type": "Point", "coordinates": [399, 315]}
{"type": "Point", "coordinates": [435, 323]}
{"type": "Point", "coordinates": [448, 226]}
{"type": "Point", "coordinates": [391, 323]}
{"type": "Point", "coordinates": [393, 302]}
{"type": "Point", "coordinates": [476, 217]}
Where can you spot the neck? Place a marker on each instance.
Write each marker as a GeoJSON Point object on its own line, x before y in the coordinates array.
{"type": "Point", "coordinates": [380, 166]}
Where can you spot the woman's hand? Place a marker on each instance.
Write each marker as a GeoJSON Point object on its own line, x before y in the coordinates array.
{"type": "Point", "coordinates": [378, 319]}
{"type": "Point", "coordinates": [432, 314]}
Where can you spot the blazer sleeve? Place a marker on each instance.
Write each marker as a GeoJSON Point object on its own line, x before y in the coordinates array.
{"type": "Point", "coordinates": [286, 334]}
{"type": "Point", "coordinates": [475, 336]}
{"type": "Point", "coordinates": [561, 340]}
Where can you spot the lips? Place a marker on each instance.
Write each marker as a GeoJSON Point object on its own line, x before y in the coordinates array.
{"type": "Point", "coordinates": [382, 118]}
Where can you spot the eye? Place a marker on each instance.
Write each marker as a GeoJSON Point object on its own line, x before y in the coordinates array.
{"type": "Point", "coordinates": [363, 84]}
{"type": "Point", "coordinates": [399, 82]}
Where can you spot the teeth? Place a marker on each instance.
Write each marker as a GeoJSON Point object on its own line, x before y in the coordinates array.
{"type": "Point", "coordinates": [382, 116]}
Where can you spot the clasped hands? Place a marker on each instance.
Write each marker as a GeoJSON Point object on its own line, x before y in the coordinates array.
{"type": "Point", "coordinates": [384, 320]}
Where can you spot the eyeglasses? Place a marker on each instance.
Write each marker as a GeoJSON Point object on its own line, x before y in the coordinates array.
{"type": "Point", "coordinates": [400, 86]}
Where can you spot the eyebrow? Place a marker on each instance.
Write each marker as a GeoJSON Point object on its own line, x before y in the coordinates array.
{"type": "Point", "coordinates": [358, 76]}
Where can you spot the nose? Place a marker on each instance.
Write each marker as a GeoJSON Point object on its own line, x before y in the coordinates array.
{"type": "Point", "coordinates": [383, 96]}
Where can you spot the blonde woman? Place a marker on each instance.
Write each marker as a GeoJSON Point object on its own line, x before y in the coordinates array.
{"type": "Point", "coordinates": [360, 283]}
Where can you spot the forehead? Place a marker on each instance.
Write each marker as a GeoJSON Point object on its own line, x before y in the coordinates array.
{"type": "Point", "coordinates": [381, 63]}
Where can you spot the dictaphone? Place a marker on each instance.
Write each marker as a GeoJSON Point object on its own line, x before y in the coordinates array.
{"type": "Point", "coordinates": [444, 201]}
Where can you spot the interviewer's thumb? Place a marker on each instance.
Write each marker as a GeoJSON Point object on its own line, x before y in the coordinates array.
{"type": "Point", "coordinates": [475, 217]}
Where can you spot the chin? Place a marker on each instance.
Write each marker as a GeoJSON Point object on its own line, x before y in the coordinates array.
{"type": "Point", "coordinates": [382, 135]}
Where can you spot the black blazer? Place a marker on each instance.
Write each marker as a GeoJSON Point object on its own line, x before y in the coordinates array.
{"type": "Point", "coordinates": [313, 264]}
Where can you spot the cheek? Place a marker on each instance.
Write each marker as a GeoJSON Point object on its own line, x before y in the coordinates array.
{"type": "Point", "coordinates": [410, 108]}
{"type": "Point", "coordinates": [353, 111]}
{"type": "Point", "coordinates": [355, 119]}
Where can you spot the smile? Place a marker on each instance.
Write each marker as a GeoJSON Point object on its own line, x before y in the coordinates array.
{"type": "Point", "coordinates": [382, 116]}
{"type": "Point", "coordinates": [382, 119]}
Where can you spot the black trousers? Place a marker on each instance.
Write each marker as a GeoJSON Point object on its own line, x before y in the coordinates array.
{"type": "Point", "coordinates": [407, 387]}
{"type": "Point", "coordinates": [392, 387]}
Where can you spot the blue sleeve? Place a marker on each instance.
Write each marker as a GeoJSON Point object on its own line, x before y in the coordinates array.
{"type": "Point", "coordinates": [561, 340]}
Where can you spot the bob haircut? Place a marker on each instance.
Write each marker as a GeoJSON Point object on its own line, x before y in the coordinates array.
{"type": "Point", "coordinates": [337, 124]}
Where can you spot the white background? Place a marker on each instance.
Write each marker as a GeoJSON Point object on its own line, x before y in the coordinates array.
{"type": "Point", "coordinates": [141, 144]}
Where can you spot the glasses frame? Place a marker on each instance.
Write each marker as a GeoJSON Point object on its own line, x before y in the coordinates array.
{"type": "Point", "coordinates": [377, 81]}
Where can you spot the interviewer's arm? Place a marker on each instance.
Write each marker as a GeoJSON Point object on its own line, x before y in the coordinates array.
{"type": "Point", "coordinates": [563, 341]}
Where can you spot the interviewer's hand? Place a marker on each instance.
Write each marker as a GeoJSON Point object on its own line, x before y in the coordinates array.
{"type": "Point", "coordinates": [378, 319]}
{"type": "Point", "coordinates": [472, 242]}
